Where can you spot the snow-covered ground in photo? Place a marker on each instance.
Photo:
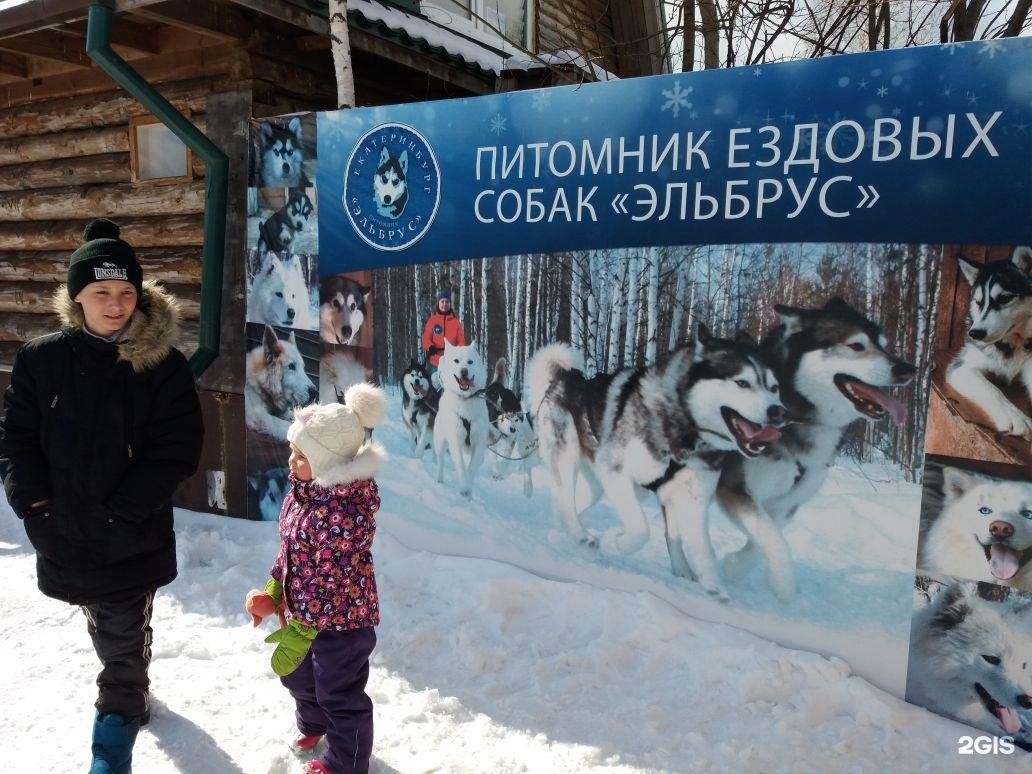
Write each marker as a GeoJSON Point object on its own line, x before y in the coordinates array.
{"type": "Point", "coordinates": [544, 658]}
{"type": "Point", "coordinates": [854, 547]}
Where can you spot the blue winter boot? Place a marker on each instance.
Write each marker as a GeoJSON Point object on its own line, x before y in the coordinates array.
{"type": "Point", "coordinates": [113, 738]}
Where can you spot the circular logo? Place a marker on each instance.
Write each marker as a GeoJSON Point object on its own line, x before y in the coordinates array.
{"type": "Point", "coordinates": [438, 330]}
{"type": "Point", "coordinates": [392, 187]}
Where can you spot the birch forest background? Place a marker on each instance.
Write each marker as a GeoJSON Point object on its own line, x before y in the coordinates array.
{"type": "Point", "coordinates": [629, 307]}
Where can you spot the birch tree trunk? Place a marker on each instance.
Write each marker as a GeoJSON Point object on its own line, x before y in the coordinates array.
{"type": "Point", "coordinates": [483, 302]}
{"type": "Point", "coordinates": [678, 313]}
{"type": "Point", "coordinates": [576, 304]}
{"type": "Point", "coordinates": [509, 316]}
{"type": "Point", "coordinates": [869, 284]}
{"type": "Point", "coordinates": [652, 329]}
{"type": "Point", "coordinates": [340, 45]}
{"type": "Point", "coordinates": [619, 300]}
{"type": "Point", "coordinates": [462, 292]}
{"type": "Point", "coordinates": [417, 300]}
{"type": "Point", "coordinates": [633, 302]}
{"type": "Point", "coordinates": [592, 348]}
{"type": "Point", "coordinates": [526, 321]}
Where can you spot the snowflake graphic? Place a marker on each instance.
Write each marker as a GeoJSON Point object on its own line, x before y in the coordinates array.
{"type": "Point", "coordinates": [951, 48]}
{"type": "Point", "coordinates": [677, 98]}
{"type": "Point", "coordinates": [882, 91]}
{"type": "Point", "coordinates": [498, 122]}
{"type": "Point", "coordinates": [542, 101]}
{"type": "Point", "coordinates": [862, 84]}
{"type": "Point", "coordinates": [972, 98]}
{"type": "Point", "coordinates": [990, 47]}
{"type": "Point", "coordinates": [757, 72]}
{"type": "Point", "coordinates": [896, 111]}
{"type": "Point", "coordinates": [947, 91]}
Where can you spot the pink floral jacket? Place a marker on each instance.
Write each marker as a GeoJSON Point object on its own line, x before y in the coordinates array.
{"type": "Point", "coordinates": [324, 562]}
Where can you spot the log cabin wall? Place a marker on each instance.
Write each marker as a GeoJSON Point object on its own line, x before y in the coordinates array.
{"type": "Point", "coordinates": [64, 153]}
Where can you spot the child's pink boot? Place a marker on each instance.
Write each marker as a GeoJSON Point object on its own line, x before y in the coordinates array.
{"type": "Point", "coordinates": [315, 766]}
{"type": "Point", "coordinates": [304, 743]}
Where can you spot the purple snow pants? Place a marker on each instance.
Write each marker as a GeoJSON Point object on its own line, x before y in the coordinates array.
{"type": "Point", "coordinates": [329, 691]}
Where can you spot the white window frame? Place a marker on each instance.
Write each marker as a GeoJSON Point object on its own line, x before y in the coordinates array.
{"type": "Point", "coordinates": [479, 8]}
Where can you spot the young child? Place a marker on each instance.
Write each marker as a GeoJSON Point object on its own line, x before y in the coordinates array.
{"type": "Point", "coordinates": [322, 581]}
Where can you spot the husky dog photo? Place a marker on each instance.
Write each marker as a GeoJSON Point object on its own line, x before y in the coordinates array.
{"type": "Point", "coordinates": [976, 525]}
{"type": "Point", "coordinates": [982, 399]}
{"type": "Point", "coordinates": [280, 290]}
{"type": "Point", "coordinates": [971, 656]}
{"type": "Point", "coordinates": [737, 424]}
{"type": "Point", "coordinates": [283, 152]}
{"type": "Point", "coordinates": [344, 303]}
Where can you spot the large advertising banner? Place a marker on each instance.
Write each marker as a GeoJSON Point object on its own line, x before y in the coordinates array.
{"type": "Point", "coordinates": [756, 342]}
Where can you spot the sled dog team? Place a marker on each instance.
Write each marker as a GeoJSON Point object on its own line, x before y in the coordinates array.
{"type": "Point", "coordinates": [754, 426]}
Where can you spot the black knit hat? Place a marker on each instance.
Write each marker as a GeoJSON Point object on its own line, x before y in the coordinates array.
{"type": "Point", "coordinates": [103, 257]}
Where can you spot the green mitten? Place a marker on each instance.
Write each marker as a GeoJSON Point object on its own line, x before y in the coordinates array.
{"type": "Point", "coordinates": [275, 590]}
{"type": "Point", "coordinates": [293, 642]}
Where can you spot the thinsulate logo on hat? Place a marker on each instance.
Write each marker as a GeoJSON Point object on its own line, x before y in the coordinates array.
{"type": "Point", "coordinates": [110, 271]}
{"type": "Point", "coordinates": [392, 187]}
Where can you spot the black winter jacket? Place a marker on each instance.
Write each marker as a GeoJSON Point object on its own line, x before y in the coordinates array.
{"type": "Point", "coordinates": [105, 432]}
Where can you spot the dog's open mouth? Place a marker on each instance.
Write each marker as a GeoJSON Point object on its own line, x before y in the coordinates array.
{"type": "Point", "coordinates": [1004, 561]}
{"type": "Point", "coordinates": [751, 438]}
{"type": "Point", "coordinates": [465, 382]}
{"type": "Point", "coordinates": [870, 400]}
{"type": "Point", "coordinates": [1008, 716]}
{"type": "Point", "coordinates": [419, 389]}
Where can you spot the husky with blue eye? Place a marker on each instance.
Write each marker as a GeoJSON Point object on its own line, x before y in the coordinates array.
{"type": "Point", "coordinates": [281, 154]}
{"type": "Point", "coordinates": [390, 184]}
{"type": "Point", "coordinates": [999, 338]}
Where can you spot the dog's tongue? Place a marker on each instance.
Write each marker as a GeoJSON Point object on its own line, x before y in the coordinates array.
{"type": "Point", "coordinates": [1004, 562]}
{"type": "Point", "coordinates": [896, 409]}
{"type": "Point", "coordinates": [1009, 719]}
{"type": "Point", "coordinates": [752, 432]}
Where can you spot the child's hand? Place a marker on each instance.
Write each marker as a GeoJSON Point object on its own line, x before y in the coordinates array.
{"type": "Point", "coordinates": [260, 605]}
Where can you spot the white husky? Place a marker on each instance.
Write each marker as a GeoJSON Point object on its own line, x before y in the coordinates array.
{"type": "Point", "coordinates": [337, 372]}
{"type": "Point", "coordinates": [984, 531]}
{"type": "Point", "coordinates": [279, 294]}
{"type": "Point", "coordinates": [971, 659]}
{"type": "Point", "coordinates": [462, 423]}
{"type": "Point", "coordinates": [275, 382]}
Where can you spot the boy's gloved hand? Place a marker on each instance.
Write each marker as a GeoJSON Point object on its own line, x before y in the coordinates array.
{"type": "Point", "coordinates": [261, 604]}
{"type": "Point", "coordinates": [292, 644]}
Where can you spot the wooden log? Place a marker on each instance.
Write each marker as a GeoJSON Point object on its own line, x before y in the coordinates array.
{"type": "Point", "coordinates": [35, 297]}
{"type": "Point", "coordinates": [63, 145]}
{"type": "Point", "coordinates": [91, 170]}
{"type": "Point", "coordinates": [178, 230]}
{"type": "Point", "coordinates": [109, 201]}
{"type": "Point", "coordinates": [59, 115]}
{"type": "Point", "coordinates": [223, 59]}
{"type": "Point", "coordinates": [173, 264]}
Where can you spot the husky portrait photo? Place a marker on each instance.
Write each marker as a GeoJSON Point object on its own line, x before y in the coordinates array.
{"type": "Point", "coordinates": [971, 648]}
{"type": "Point", "coordinates": [981, 400]}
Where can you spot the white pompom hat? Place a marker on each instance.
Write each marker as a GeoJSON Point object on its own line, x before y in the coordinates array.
{"type": "Point", "coordinates": [335, 437]}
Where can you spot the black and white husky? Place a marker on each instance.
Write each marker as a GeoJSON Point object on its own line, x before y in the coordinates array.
{"type": "Point", "coordinates": [832, 364]}
{"type": "Point", "coordinates": [277, 232]}
{"type": "Point", "coordinates": [512, 432]}
{"type": "Point", "coordinates": [461, 427]}
{"type": "Point", "coordinates": [999, 338]}
{"type": "Point", "coordinates": [390, 184]}
{"type": "Point", "coordinates": [419, 403]}
{"type": "Point", "coordinates": [342, 309]}
{"type": "Point", "coordinates": [625, 431]}
{"type": "Point", "coordinates": [281, 154]}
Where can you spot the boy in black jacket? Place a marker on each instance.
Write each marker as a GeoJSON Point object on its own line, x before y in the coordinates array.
{"type": "Point", "coordinates": [101, 423]}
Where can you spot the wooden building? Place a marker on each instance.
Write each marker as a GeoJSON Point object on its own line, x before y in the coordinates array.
{"type": "Point", "coordinates": [75, 146]}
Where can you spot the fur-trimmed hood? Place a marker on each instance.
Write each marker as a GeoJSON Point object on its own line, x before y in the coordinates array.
{"type": "Point", "coordinates": [365, 465]}
{"type": "Point", "coordinates": [153, 330]}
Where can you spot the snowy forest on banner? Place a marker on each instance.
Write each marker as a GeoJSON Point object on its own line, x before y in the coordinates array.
{"type": "Point", "coordinates": [629, 307]}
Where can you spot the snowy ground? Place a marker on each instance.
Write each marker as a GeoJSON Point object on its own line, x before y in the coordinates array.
{"type": "Point", "coordinates": [854, 547]}
{"type": "Point", "coordinates": [480, 667]}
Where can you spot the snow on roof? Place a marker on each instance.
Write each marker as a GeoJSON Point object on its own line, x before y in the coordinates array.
{"type": "Point", "coordinates": [464, 40]}
{"type": "Point", "coordinates": [566, 56]}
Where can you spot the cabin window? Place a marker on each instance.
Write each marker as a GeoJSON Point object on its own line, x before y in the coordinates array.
{"type": "Point", "coordinates": [509, 16]}
{"type": "Point", "coordinates": [156, 155]}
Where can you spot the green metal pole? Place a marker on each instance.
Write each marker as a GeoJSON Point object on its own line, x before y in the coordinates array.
{"type": "Point", "coordinates": [98, 34]}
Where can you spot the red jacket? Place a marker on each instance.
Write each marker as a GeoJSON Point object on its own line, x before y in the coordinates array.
{"type": "Point", "coordinates": [438, 328]}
